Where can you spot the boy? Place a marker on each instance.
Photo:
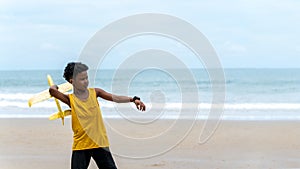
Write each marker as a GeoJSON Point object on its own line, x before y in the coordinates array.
{"type": "Point", "coordinates": [90, 138]}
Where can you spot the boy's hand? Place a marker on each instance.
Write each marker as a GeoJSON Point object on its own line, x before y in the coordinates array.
{"type": "Point", "coordinates": [52, 89]}
{"type": "Point", "coordinates": [140, 105]}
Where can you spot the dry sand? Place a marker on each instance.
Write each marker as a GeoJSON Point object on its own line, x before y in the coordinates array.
{"type": "Point", "coordinates": [43, 144]}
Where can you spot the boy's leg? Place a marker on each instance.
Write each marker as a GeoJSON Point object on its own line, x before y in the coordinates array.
{"type": "Point", "coordinates": [80, 159]}
{"type": "Point", "coordinates": [103, 158]}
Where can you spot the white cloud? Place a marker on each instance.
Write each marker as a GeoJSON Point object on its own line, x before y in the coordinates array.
{"type": "Point", "coordinates": [297, 48]}
{"type": "Point", "coordinates": [234, 48]}
{"type": "Point", "coordinates": [49, 46]}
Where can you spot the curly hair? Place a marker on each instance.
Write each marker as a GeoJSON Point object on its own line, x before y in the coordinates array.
{"type": "Point", "coordinates": [73, 68]}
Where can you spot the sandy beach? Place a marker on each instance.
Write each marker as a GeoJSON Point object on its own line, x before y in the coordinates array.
{"type": "Point", "coordinates": [39, 143]}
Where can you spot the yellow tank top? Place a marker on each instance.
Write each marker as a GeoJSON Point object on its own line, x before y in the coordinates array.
{"type": "Point", "coordinates": [87, 123]}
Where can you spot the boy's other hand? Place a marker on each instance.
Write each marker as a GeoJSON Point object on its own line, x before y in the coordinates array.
{"type": "Point", "coordinates": [140, 105]}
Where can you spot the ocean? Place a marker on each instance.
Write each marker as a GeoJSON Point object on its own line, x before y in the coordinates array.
{"type": "Point", "coordinates": [251, 94]}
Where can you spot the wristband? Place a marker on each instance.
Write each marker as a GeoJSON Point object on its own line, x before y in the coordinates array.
{"type": "Point", "coordinates": [135, 98]}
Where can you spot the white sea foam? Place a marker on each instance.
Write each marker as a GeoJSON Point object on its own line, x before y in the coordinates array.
{"type": "Point", "coordinates": [243, 111]}
{"type": "Point", "coordinates": [15, 105]}
{"type": "Point", "coordinates": [21, 101]}
{"type": "Point", "coordinates": [15, 96]}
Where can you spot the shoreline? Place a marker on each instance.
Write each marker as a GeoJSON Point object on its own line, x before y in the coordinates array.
{"type": "Point", "coordinates": [40, 143]}
{"type": "Point", "coordinates": [227, 119]}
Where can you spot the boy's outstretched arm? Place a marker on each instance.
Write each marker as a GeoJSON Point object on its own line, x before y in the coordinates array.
{"type": "Point", "coordinates": [119, 99]}
{"type": "Point", "coordinates": [53, 90]}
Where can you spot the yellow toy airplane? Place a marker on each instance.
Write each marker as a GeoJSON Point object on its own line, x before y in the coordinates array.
{"type": "Point", "coordinates": [45, 95]}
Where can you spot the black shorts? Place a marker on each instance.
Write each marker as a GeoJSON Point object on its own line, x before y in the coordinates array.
{"type": "Point", "coordinates": [102, 156]}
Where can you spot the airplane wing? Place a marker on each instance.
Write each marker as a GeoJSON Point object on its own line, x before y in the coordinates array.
{"type": "Point", "coordinates": [45, 95]}
{"type": "Point", "coordinates": [60, 115]}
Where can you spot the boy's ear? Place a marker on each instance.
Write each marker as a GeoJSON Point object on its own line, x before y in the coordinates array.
{"type": "Point", "coordinates": [71, 81]}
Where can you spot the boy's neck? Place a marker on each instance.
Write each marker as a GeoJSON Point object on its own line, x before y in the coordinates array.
{"type": "Point", "coordinates": [82, 94]}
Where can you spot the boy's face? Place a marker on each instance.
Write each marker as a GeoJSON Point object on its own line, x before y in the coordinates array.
{"type": "Point", "coordinates": [81, 81]}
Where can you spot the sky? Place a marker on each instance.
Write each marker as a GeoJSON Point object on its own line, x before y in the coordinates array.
{"type": "Point", "coordinates": [47, 34]}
